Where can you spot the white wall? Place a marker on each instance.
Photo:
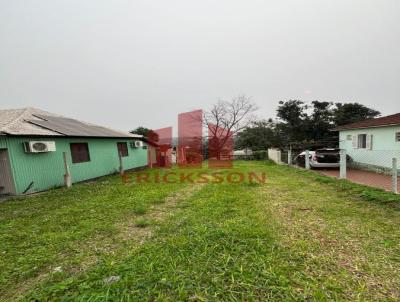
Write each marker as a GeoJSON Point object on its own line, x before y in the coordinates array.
{"type": "Point", "coordinates": [275, 155]}
{"type": "Point", "coordinates": [384, 146]}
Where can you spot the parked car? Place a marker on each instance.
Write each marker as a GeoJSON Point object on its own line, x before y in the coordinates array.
{"type": "Point", "coordinates": [321, 158]}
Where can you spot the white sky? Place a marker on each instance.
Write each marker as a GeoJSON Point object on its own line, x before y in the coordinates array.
{"type": "Point", "coordinates": [127, 63]}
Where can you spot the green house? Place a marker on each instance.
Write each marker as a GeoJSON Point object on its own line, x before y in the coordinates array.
{"type": "Point", "coordinates": [372, 144]}
{"type": "Point", "coordinates": [37, 148]}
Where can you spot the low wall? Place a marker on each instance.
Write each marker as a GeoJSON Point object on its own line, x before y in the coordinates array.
{"type": "Point", "coordinates": [372, 168]}
{"type": "Point", "coordinates": [275, 155]}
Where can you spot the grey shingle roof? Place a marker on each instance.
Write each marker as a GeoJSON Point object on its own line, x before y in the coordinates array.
{"type": "Point", "coordinates": [32, 121]}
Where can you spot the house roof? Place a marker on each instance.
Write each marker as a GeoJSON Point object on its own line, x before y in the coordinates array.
{"type": "Point", "coordinates": [390, 120]}
{"type": "Point", "coordinates": [36, 122]}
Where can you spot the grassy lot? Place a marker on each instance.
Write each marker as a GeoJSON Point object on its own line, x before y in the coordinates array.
{"type": "Point", "coordinates": [298, 237]}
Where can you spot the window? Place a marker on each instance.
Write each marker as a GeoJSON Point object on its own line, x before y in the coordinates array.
{"type": "Point", "coordinates": [79, 152]}
{"type": "Point", "coordinates": [362, 141]}
{"type": "Point", "coordinates": [398, 137]}
{"type": "Point", "coordinates": [122, 149]}
{"type": "Point", "coordinates": [349, 137]}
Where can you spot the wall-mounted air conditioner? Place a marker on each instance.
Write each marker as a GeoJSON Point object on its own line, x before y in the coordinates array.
{"type": "Point", "coordinates": [39, 147]}
{"type": "Point", "coordinates": [136, 144]}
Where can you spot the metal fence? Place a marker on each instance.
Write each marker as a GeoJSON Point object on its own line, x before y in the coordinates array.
{"type": "Point", "coordinates": [376, 168]}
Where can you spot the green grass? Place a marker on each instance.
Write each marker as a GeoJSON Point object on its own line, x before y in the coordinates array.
{"type": "Point", "coordinates": [142, 222]}
{"type": "Point", "coordinates": [140, 208]}
{"type": "Point", "coordinates": [298, 237]}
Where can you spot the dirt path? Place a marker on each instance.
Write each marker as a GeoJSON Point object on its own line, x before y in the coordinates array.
{"type": "Point", "coordinates": [157, 213]}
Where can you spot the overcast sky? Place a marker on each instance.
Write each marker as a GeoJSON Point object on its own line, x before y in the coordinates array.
{"type": "Point", "coordinates": [127, 63]}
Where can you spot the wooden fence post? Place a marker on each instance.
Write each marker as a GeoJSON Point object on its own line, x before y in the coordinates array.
{"type": "Point", "coordinates": [394, 176]}
{"type": "Point", "coordinates": [289, 160]}
{"type": "Point", "coordinates": [67, 175]}
{"type": "Point", "coordinates": [343, 164]}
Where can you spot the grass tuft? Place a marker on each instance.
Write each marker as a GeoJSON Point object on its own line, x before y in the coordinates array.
{"type": "Point", "coordinates": [142, 223]}
{"type": "Point", "coordinates": [140, 209]}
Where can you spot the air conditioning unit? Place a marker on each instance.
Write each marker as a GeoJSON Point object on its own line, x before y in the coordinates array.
{"type": "Point", "coordinates": [138, 144]}
{"type": "Point", "coordinates": [39, 147]}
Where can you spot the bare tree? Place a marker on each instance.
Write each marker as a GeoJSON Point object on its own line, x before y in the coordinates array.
{"type": "Point", "coordinates": [227, 118]}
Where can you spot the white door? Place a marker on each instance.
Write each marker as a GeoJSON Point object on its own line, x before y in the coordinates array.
{"type": "Point", "coordinates": [6, 179]}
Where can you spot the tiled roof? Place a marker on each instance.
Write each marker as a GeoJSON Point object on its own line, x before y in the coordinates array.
{"type": "Point", "coordinates": [390, 120]}
{"type": "Point", "coordinates": [32, 121]}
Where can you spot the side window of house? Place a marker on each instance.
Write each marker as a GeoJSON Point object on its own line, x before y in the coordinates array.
{"type": "Point", "coordinates": [398, 137]}
{"type": "Point", "coordinates": [79, 152]}
{"type": "Point", "coordinates": [362, 141]}
{"type": "Point", "coordinates": [122, 149]}
{"type": "Point", "coordinates": [349, 137]}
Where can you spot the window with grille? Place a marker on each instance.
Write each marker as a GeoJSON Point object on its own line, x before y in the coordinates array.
{"type": "Point", "coordinates": [79, 152]}
{"type": "Point", "coordinates": [122, 149]}
{"type": "Point", "coordinates": [398, 137]}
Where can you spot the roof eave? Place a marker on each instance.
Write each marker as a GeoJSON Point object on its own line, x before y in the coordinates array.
{"type": "Point", "coordinates": [67, 136]}
{"type": "Point", "coordinates": [365, 127]}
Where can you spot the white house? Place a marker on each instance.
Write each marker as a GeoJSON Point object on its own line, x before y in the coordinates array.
{"type": "Point", "coordinates": [238, 154]}
{"type": "Point", "coordinates": [372, 143]}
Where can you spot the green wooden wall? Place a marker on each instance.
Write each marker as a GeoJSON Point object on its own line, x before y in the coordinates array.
{"type": "Point", "coordinates": [3, 142]}
{"type": "Point", "coordinates": [46, 170]}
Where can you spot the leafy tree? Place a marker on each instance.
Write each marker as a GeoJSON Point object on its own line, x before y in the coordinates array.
{"type": "Point", "coordinates": [292, 112]}
{"type": "Point", "coordinates": [260, 135]}
{"type": "Point", "coordinates": [140, 131]}
{"type": "Point", "coordinates": [146, 132]}
{"type": "Point", "coordinates": [320, 121]}
{"type": "Point", "coordinates": [299, 122]}
{"type": "Point", "coordinates": [352, 112]}
{"type": "Point", "coordinates": [293, 120]}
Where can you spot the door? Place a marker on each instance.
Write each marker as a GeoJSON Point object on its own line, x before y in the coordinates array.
{"type": "Point", "coordinates": [6, 179]}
